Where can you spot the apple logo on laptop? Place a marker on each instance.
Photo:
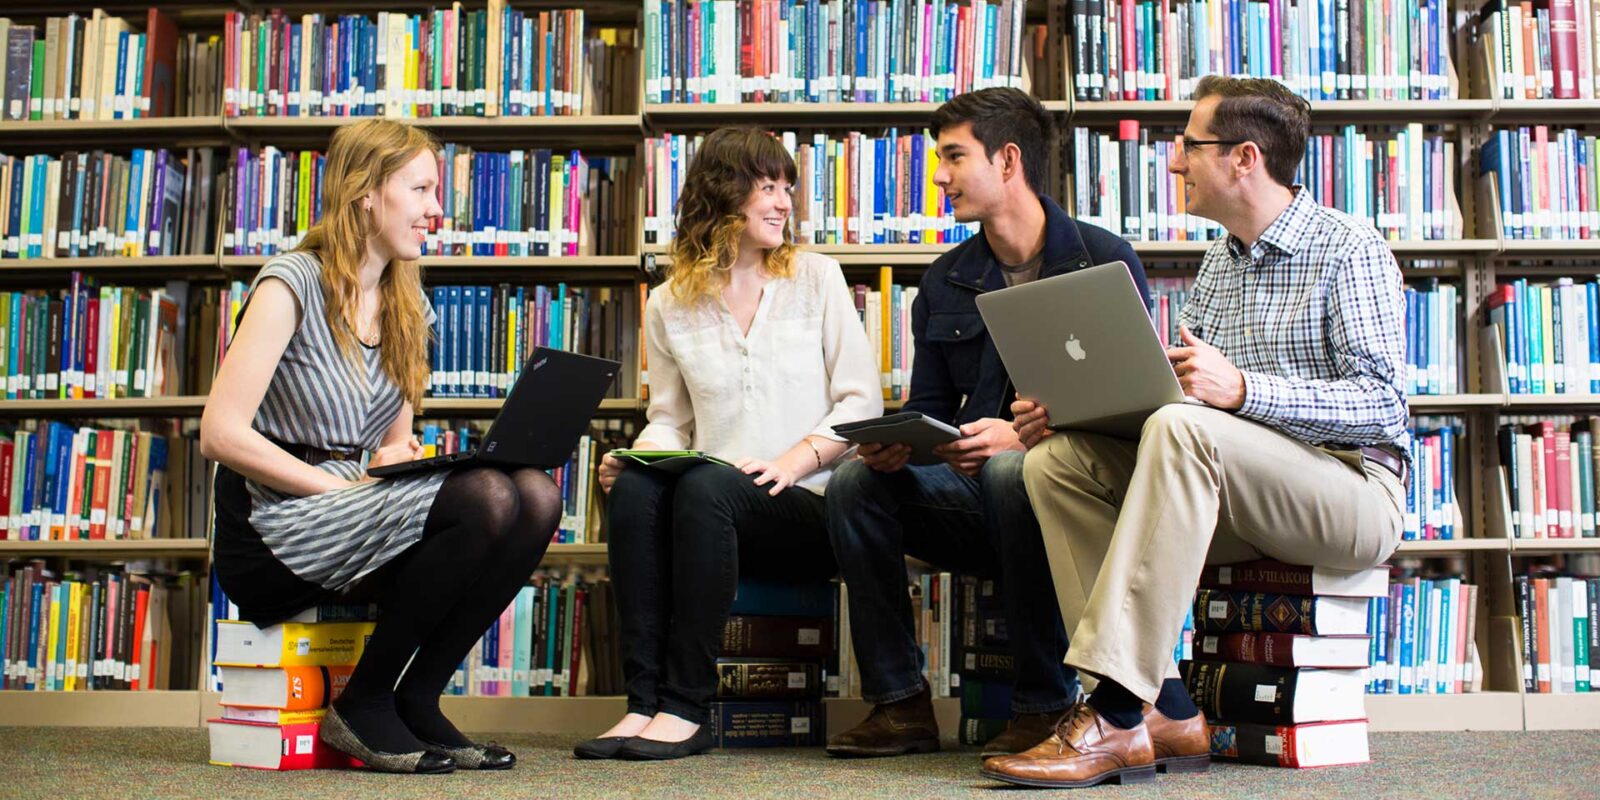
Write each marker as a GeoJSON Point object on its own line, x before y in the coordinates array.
{"type": "Point", "coordinates": [1075, 349]}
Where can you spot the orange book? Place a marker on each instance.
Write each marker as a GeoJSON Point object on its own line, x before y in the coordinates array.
{"type": "Point", "coordinates": [1541, 622]}
{"type": "Point", "coordinates": [644, 364]}
{"type": "Point", "coordinates": [1530, 51]}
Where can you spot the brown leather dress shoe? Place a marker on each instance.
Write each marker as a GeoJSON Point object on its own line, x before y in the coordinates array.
{"type": "Point", "coordinates": [1021, 733]}
{"type": "Point", "coordinates": [1084, 750]}
{"type": "Point", "coordinates": [1180, 745]}
{"type": "Point", "coordinates": [892, 729]}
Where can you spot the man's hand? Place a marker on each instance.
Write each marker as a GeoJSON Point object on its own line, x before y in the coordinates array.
{"type": "Point", "coordinates": [981, 440]}
{"type": "Point", "coordinates": [1205, 374]}
{"type": "Point", "coordinates": [884, 457]}
{"type": "Point", "coordinates": [1031, 422]}
{"type": "Point", "coordinates": [400, 452]}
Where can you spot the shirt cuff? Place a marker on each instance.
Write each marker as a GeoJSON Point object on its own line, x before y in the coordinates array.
{"type": "Point", "coordinates": [666, 436]}
{"type": "Point", "coordinates": [1261, 393]}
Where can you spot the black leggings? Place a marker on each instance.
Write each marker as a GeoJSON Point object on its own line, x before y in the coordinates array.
{"type": "Point", "coordinates": [485, 534]}
{"type": "Point", "coordinates": [677, 548]}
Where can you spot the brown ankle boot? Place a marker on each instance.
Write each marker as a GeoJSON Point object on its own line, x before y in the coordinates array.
{"type": "Point", "coordinates": [892, 729]}
{"type": "Point", "coordinates": [1022, 732]}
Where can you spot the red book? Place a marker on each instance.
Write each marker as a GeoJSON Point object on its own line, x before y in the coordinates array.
{"type": "Point", "coordinates": [277, 747]}
{"type": "Point", "coordinates": [1563, 482]}
{"type": "Point", "coordinates": [1284, 649]}
{"type": "Point", "coordinates": [1130, 50]}
{"type": "Point", "coordinates": [91, 347]}
{"type": "Point", "coordinates": [230, 98]}
{"type": "Point", "coordinates": [579, 594]}
{"type": "Point", "coordinates": [1552, 479]}
{"type": "Point", "coordinates": [160, 63]}
{"type": "Point", "coordinates": [1311, 744]}
{"type": "Point", "coordinates": [1564, 48]}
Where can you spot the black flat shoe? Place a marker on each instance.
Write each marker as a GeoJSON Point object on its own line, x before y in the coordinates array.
{"type": "Point", "coordinates": [335, 733]}
{"type": "Point", "coordinates": [489, 756]}
{"type": "Point", "coordinates": [640, 749]}
{"type": "Point", "coordinates": [603, 747]}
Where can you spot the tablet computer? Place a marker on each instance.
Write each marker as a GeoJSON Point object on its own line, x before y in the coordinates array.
{"type": "Point", "coordinates": [914, 428]}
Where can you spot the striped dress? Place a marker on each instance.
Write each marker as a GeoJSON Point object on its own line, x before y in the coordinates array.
{"type": "Point", "coordinates": [316, 399]}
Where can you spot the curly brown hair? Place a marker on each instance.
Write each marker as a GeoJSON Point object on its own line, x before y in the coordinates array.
{"type": "Point", "coordinates": [729, 164]}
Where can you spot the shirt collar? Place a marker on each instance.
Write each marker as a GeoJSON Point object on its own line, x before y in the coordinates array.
{"type": "Point", "coordinates": [1287, 231]}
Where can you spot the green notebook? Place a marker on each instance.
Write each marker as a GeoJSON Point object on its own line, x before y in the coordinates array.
{"type": "Point", "coordinates": [673, 461]}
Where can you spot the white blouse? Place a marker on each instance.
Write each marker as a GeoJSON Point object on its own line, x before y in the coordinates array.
{"type": "Point", "coordinates": [804, 366]}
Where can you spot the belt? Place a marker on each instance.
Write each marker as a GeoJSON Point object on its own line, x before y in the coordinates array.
{"type": "Point", "coordinates": [316, 455]}
{"type": "Point", "coordinates": [1387, 458]}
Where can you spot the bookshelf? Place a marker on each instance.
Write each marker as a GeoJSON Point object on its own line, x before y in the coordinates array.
{"type": "Point", "coordinates": [1475, 262]}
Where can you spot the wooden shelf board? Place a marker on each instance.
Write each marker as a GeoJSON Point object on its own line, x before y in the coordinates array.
{"type": "Point", "coordinates": [577, 554]}
{"type": "Point", "coordinates": [1549, 248]}
{"type": "Point", "coordinates": [576, 716]}
{"type": "Point", "coordinates": [474, 263]}
{"type": "Point", "coordinates": [193, 549]}
{"type": "Point", "coordinates": [108, 262]}
{"type": "Point", "coordinates": [120, 127]}
{"type": "Point", "coordinates": [175, 406]}
{"type": "Point", "coordinates": [489, 406]}
{"type": "Point", "coordinates": [1482, 711]}
{"type": "Point", "coordinates": [1507, 111]}
{"type": "Point", "coordinates": [1321, 111]}
{"type": "Point", "coordinates": [1538, 401]}
{"type": "Point", "coordinates": [630, 123]}
{"type": "Point", "coordinates": [1421, 403]}
{"type": "Point", "coordinates": [657, 115]}
{"type": "Point", "coordinates": [1561, 712]}
{"type": "Point", "coordinates": [1405, 248]}
{"type": "Point", "coordinates": [174, 709]}
{"type": "Point", "coordinates": [1450, 546]}
{"type": "Point", "coordinates": [1553, 546]}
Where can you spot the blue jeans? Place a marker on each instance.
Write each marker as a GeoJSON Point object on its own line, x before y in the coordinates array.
{"type": "Point", "coordinates": [977, 526]}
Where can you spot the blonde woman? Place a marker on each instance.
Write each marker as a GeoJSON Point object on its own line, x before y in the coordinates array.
{"type": "Point", "coordinates": [755, 351]}
{"type": "Point", "coordinates": [328, 363]}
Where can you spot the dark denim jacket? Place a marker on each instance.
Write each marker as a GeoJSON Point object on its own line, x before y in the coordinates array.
{"type": "Point", "coordinates": [957, 375]}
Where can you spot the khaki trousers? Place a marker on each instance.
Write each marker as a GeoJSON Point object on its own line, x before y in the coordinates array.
{"type": "Point", "coordinates": [1128, 526]}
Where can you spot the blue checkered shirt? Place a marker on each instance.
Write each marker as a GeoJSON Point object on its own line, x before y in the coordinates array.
{"type": "Point", "coordinates": [1313, 314]}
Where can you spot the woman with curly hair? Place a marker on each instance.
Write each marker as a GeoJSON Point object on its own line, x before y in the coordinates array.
{"type": "Point", "coordinates": [755, 351]}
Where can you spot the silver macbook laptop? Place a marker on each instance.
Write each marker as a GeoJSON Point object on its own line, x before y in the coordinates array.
{"type": "Point", "coordinates": [1083, 345]}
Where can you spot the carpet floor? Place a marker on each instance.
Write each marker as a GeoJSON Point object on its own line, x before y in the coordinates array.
{"type": "Point", "coordinates": [171, 763]}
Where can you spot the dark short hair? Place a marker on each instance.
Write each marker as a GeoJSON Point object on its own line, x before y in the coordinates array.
{"type": "Point", "coordinates": [1000, 116]}
{"type": "Point", "coordinates": [1263, 111]}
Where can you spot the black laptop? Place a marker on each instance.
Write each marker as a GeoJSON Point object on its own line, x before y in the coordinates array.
{"type": "Point", "coordinates": [548, 409]}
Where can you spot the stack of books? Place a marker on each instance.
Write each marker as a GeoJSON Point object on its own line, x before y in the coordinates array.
{"type": "Point", "coordinates": [983, 670]}
{"type": "Point", "coordinates": [770, 675]}
{"type": "Point", "coordinates": [277, 683]}
{"type": "Point", "coordinates": [1279, 666]}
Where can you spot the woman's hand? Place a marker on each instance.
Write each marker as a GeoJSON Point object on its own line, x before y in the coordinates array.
{"type": "Point", "coordinates": [610, 468]}
{"type": "Point", "coordinates": [776, 473]}
{"type": "Point", "coordinates": [397, 453]}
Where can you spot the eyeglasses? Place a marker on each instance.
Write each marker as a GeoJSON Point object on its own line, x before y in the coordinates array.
{"type": "Point", "coordinates": [1191, 143]}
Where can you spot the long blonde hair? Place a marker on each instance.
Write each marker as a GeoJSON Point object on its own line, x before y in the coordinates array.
{"type": "Point", "coordinates": [726, 169]}
{"type": "Point", "coordinates": [360, 160]}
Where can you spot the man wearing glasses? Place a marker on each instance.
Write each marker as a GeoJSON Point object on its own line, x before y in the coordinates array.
{"type": "Point", "coordinates": [1293, 339]}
